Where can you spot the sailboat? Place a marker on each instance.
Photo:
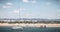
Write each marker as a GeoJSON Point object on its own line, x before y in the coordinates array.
{"type": "Point", "coordinates": [17, 27]}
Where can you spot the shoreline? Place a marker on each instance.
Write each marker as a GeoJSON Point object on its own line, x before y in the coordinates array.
{"type": "Point", "coordinates": [35, 25]}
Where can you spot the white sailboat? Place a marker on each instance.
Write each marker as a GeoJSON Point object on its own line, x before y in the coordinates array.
{"type": "Point", "coordinates": [17, 27]}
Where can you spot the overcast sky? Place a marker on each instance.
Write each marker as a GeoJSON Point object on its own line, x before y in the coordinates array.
{"type": "Point", "coordinates": [44, 9]}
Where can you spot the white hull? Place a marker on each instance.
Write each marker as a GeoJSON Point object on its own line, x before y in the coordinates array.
{"type": "Point", "coordinates": [17, 27]}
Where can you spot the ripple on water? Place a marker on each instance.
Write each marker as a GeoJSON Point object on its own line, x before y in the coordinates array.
{"type": "Point", "coordinates": [29, 29]}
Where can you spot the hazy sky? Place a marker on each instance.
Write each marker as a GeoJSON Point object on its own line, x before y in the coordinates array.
{"type": "Point", "coordinates": [46, 9]}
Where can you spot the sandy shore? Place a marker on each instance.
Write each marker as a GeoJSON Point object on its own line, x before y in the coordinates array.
{"type": "Point", "coordinates": [36, 25]}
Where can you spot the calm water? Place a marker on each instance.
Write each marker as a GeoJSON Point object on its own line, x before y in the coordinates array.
{"type": "Point", "coordinates": [31, 29]}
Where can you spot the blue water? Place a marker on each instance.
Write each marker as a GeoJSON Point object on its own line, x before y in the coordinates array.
{"type": "Point", "coordinates": [29, 29]}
